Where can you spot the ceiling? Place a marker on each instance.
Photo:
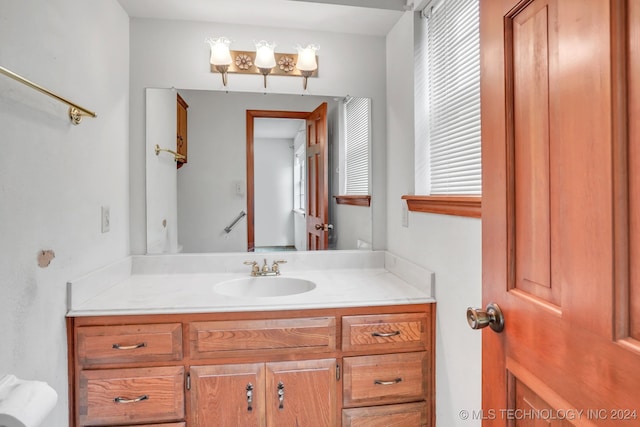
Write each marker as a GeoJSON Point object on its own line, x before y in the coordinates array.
{"type": "Point", "coordinates": [277, 128]}
{"type": "Point", "coordinates": [367, 17]}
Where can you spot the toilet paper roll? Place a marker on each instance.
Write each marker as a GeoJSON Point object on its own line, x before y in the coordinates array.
{"type": "Point", "coordinates": [25, 403]}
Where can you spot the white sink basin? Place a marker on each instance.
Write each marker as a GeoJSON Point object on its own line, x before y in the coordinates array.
{"type": "Point", "coordinates": [261, 287]}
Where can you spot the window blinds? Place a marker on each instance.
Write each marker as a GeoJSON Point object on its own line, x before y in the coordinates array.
{"type": "Point", "coordinates": [453, 96]}
{"type": "Point", "coordinates": [357, 145]}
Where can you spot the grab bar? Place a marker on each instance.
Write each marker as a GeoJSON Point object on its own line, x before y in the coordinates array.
{"type": "Point", "coordinates": [234, 222]}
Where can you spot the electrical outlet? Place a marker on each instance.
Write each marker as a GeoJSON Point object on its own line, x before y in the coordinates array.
{"type": "Point", "coordinates": [106, 219]}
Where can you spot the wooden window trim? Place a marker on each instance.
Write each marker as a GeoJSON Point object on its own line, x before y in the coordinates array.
{"type": "Point", "coordinates": [353, 200]}
{"type": "Point", "coordinates": [469, 206]}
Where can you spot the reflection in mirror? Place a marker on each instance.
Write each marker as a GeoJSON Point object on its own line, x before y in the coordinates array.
{"type": "Point", "coordinates": [211, 188]}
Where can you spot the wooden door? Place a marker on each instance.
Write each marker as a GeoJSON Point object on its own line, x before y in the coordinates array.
{"type": "Point", "coordinates": [561, 212]}
{"type": "Point", "coordinates": [317, 180]}
{"type": "Point", "coordinates": [228, 395]}
{"type": "Point", "coordinates": [301, 393]}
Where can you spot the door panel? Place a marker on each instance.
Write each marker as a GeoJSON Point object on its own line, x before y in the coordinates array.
{"type": "Point", "coordinates": [629, 323]}
{"type": "Point", "coordinates": [533, 43]}
{"type": "Point", "coordinates": [219, 395]}
{"type": "Point", "coordinates": [560, 221]}
{"type": "Point", "coordinates": [317, 179]}
{"type": "Point", "coordinates": [301, 393]}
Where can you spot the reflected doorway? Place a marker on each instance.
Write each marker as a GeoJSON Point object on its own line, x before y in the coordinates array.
{"type": "Point", "coordinates": [283, 223]}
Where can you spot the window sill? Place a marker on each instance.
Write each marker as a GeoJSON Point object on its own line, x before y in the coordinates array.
{"type": "Point", "coordinates": [353, 200]}
{"type": "Point", "coordinates": [470, 206]}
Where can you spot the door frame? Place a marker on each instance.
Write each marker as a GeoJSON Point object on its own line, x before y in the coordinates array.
{"type": "Point", "coordinates": [251, 115]}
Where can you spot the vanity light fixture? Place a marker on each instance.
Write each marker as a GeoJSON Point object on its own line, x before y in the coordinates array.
{"type": "Point", "coordinates": [264, 60]}
{"type": "Point", "coordinates": [220, 56]}
{"type": "Point", "coordinates": [307, 63]}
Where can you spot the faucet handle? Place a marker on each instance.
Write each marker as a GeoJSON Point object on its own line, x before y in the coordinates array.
{"type": "Point", "coordinates": [275, 265]}
{"type": "Point", "coordinates": [254, 267]}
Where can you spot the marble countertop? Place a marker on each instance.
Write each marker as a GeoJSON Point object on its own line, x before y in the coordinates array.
{"type": "Point", "coordinates": [122, 289]}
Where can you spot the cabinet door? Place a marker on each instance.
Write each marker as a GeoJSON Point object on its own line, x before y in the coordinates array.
{"type": "Point", "coordinates": [181, 136]}
{"type": "Point", "coordinates": [228, 395]}
{"type": "Point", "coordinates": [301, 393]}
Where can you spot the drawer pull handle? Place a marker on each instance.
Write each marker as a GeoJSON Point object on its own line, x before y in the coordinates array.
{"type": "Point", "coordinates": [380, 382]}
{"type": "Point", "coordinates": [385, 334]}
{"type": "Point", "coordinates": [249, 397]}
{"type": "Point", "coordinates": [281, 395]}
{"type": "Point", "coordinates": [137, 399]}
{"type": "Point", "coordinates": [129, 347]}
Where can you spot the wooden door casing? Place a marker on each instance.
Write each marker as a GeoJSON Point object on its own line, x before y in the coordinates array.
{"type": "Point", "coordinates": [559, 150]}
{"type": "Point", "coordinates": [251, 115]}
{"type": "Point", "coordinates": [318, 184]}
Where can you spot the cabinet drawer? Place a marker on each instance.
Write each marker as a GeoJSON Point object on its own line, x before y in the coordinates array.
{"type": "Point", "coordinates": [395, 332]}
{"type": "Point", "coordinates": [118, 396]}
{"type": "Point", "coordinates": [157, 425]}
{"type": "Point", "coordinates": [129, 343]}
{"type": "Point", "coordinates": [404, 415]}
{"type": "Point", "coordinates": [210, 339]}
{"type": "Point", "coordinates": [388, 378]}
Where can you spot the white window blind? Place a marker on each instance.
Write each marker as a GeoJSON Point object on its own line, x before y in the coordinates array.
{"type": "Point", "coordinates": [357, 130]}
{"type": "Point", "coordinates": [451, 80]}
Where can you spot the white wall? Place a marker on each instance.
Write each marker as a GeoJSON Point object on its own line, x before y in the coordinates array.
{"type": "Point", "coordinates": [161, 171]}
{"type": "Point", "coordinates": [174, 54]}
{"type": "Point", "coordinates": [54, 177]}
{"type": "Point", "coordinates": [273, 192]}
{"type": "Point", "coordinates": [450, 246]}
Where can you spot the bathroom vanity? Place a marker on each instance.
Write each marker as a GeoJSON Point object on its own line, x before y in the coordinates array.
{"type": "Point", "coordinates": [356, 350]}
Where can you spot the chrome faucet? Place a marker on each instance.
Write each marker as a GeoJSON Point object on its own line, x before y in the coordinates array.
{"type": "Point", "coordinates": [274, 270]}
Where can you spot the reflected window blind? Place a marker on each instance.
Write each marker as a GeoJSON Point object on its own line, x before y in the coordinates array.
{"type": "Point", "coordinates": [453, 96]}
{"type": "Point", "coordinates": [356, 113]}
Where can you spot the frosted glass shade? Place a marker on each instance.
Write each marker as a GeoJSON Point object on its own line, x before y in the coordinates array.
{"type": "Point", "coordinates": [265, 57]}
{"type": "Point", "coordinates": [220, 51]}
{"type": "Point", "coordinates": [307, 58]}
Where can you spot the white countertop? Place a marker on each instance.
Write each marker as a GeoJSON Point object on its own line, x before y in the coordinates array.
{"type": "Point", "coordinates": [122, 288]}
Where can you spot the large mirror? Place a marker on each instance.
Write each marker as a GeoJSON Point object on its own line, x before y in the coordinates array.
{"type": "Point", "coordinates": [202, 206]}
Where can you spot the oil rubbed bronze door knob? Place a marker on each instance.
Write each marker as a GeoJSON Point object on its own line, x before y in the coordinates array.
{"type": "Point", "coordinates": [492, 317]}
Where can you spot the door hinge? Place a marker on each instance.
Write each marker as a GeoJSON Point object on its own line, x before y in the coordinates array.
{"type": "Point", "coordinates": [188, 381]}
{"type": "Point", "coordinates": [338, 372]}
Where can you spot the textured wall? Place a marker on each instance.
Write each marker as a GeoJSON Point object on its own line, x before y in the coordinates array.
{"type": "Point", "coordinates": [54, 177]}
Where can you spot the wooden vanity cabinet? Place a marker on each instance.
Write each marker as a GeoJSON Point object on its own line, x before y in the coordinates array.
{"type": "Point", "coordinates": [349, 367]}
